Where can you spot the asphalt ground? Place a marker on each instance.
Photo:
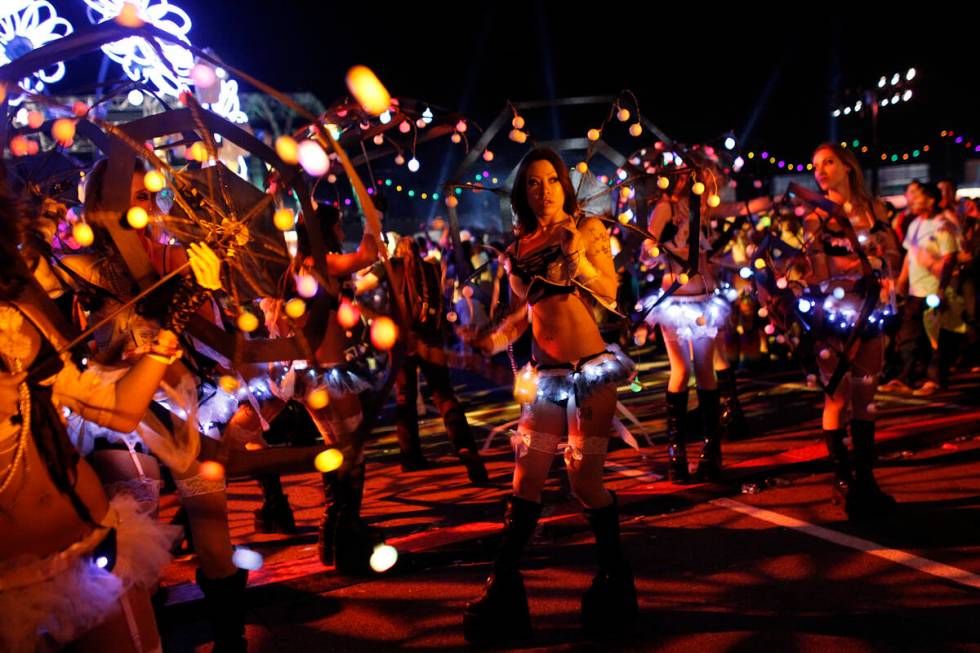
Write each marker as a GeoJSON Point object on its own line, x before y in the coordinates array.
{"type": "Point", "coordinates": [760, 561]}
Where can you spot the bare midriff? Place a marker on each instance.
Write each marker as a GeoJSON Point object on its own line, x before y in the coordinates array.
{"type": "Point", "coordinates": [37, 518]}
{"type": "Point", "coordinates": [564, 330]}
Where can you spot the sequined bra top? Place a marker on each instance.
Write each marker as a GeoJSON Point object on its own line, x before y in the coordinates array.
{"type": "Point", "coordinates": [543, 273]}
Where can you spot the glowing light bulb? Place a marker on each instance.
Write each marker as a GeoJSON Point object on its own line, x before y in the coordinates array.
{"type": "Point", "coordinates": [154, 181]}
{"type": "Point", "coordinates": [729, 143]}
{"type": "Point", "coordinates": [697, 188]}
{"type": "Point", "coordinates": [348, 314]}
{"type": "Point", "coordinates": [312, 158]}
{"type": "Point", "coordinates": [63, 130]}
{"type": "Point", "coordinates": [19, 146]}
{"type": "Point", "coordinates": [404, 127]}
{"type": "Point", "coordinates": [461, 126]}
{"type": "Point", "coordinates": [203, 75]}
{"type": "Point", "coordinates": [287, 149]}
{"type": "Point", "coordinates": [129, 16]}
{"type": "Point", "coordinates": [368, 90]}
{"type": "Point", "coordinates": [284, 219]}
{"type": "Point", "coordinates": [593, 134]}
{"type": "Point", "coordinates": [35, 119]}
{"type": "Point", "coordinates": [714, 200]}
{"type": "Point", "coordinates": [623, 115]}
{"type": "Point", "coordinates": [933, 301]}
{"type": "Point", "coordinates": [487, 155]}
{"type": "Point", "coordinates": [838, 293]}
{"type": "Point", "coordinates": [384, 333]}
{"type": "Point", "coordinates": [456, 138]}
{"type": "Point", "coordinates": [399, 160]}
{"type": "Point", "coordinates": [413, 164]}
{"type": "Point", "coordinates": [137, 217]}
{"type": "Point", "coordinates": [759, 264]}
{"type": "Point", "coordinates": [244, 558]}
{"type": "Point", "coordinates": [211, 470]}
{"type": "Point", "coordinates": [383, 558]}
{"type": "Point", "coordinates": [78, 108]}
{"type": "Point", "coordinates": [247, 322]}
{"type": "Point", "coordinates": [328, 461]}
{"type": "Point", "coordinates": [517, 122]}
{"type": "Point", "coordinates": [306, 285]}
{"type": "Point", "coordinates": [582, 167]}
{"type": "Point", "coordinates": [683, 277]}
{"type": "Point", "coordinates": [318, 398]}
{"type": "Point", "coordinates": [228, 383]}
{"type": "Point", "coordinates": [517, 136]}
{"type": "Point", "coordinates": [83, 234]}
{"type": "Point", "coordinates": [636, 129]}
{"type": "Point", "coordinates": [452, 202]}
{"type": "Point", "coordinates": [295, 308]}
{"type": "Point", "coordinates": [745, 273]}
{"type": "Point", "coordinates": [663, 183]}
{"type": "Point", "coordinates": [197, 152]}
{"type": "Point", "coordinates": [378, 139]}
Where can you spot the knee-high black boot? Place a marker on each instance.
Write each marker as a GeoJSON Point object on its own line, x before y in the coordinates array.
{"type": "Point", "coordinates": [732, 416]}
{"type": "Point", "coordinates": [841, 486]}
{"type": "Point", "coordinates": [868, 499]}
{"type": "Point", "coordinates": [609, 605]}
{"type": "Point", "coordinates": [677, 437]}
{"type": "Point", "coordinates": [225, 601]}
{"type": "Point", "coordinates": [501, 613]}
{"type": "Point", "coordinates": [709, 464]}
{"type": "Point", "coordinates": [275, 515]}
{"type": "Point", "coordinates": [345, 540]}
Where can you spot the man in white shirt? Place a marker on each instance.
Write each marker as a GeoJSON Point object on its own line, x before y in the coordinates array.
{"type": "Point", "coordinates": [931, 243]}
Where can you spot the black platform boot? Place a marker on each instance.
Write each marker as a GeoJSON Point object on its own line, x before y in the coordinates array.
{"type": "Point", "coordinates": [709, 464]}
{"type": "Point", "coordinates": [677, 437]}
{"type": "Point", "coordinates": [345, 540]}
{"type": "Point", "coordinates": [501, 614]}
{"type": "Point", "coordinates": [733, 421]}
{"type": "Point", "coordinates": [868, 499]}
{"type": "Point", "coordinates": [841, 487]}
{"type": "Point", "coordinates": [225, 601]}
{"type": "Point", "coordinates": [275, 515]}
{"type": "Point", "coordinates": [609, 606]}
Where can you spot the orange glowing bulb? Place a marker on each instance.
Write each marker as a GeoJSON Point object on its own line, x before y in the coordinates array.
{"type": "Point", "coordinates": [593, 134]}
{"type": "Point", "coordinates": [318, 398]}
{"type": "Point", "coordinates": [582, 167]}
{"type": "Point", "coordinates": [348, 314]}
{"type": "Point", "coordinates": [211, 470]}
{"type": "Point", "coordinates": [19, 146]}
{"type": "Point", "coordinates": [284, 219]}
{"type": "Point", "coordinates": [328, 461]}
{"type": "Point", "coordinates": [35, 119]}
{"type": "Point", "coordinates": [714, 201]}
{"type": "Point", "coordinates": [663, 183]}
{"type": "Point", "coordinates": [370, 93]}
{"type": "Point", "coordinates": [295, 308]}
{"type": "Point", "coordinates": [636, 129]}
{"type": "Point", "coordinates": [247, 322]}
{"type": "Point", "coordinates": [129, 16]}
{"type": "Point", "coordinates": [137, 217]}
{"type": "Point", "coordinates": [697, 188]}
{"type": "Point", "coordinates": [197, 152]}
{"type": "Point", "coordinates": [82, 233]}
{"type": "Point", "coordinates": [63, 130]}
{"type": "Point", "coordinates": [154, 181]}
{"type": "Point", "coordinates": [384, 333]}
{"type": "Point", "coordinates": [287, 149]}
{"type": "Point", "coordinates": [228, 383]}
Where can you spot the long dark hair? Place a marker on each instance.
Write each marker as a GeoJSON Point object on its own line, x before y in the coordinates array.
{"type": "Point", "coordinates": [526, 220]}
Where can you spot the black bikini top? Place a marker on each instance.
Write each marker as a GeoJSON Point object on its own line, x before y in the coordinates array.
{"type": "Point", "coordinates": [543, 273]}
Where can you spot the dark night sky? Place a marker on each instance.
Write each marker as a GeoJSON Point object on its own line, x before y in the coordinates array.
{"type": "Point", "coordinates": [771, 76]}
{"type": "Point", "coordinates": [694, 78]}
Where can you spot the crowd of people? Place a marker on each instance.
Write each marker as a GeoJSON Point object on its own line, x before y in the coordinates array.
{"type": "Point", "coordinates": [857, 292]}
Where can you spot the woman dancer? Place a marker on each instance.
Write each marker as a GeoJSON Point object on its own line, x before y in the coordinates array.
{"type": "Point", "coordinates": [559, 265]}
{"type": "Point", "coordinates": [690, 320]}
{"type": "Point", "coordinates": [74, 566]}
{"type": "Point", "coordinates": [840, 262]}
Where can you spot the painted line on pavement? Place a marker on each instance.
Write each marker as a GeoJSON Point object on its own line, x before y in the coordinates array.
{"type": "Point", "coordinates": [897, 556]}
